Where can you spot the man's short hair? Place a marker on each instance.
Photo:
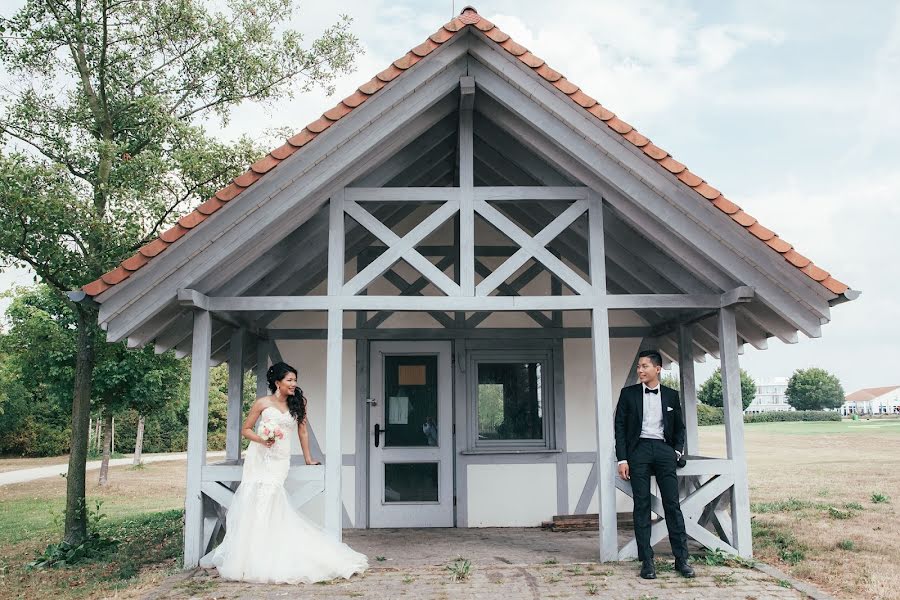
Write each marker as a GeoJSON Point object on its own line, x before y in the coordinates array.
{"type": "Point", "coordinates": [653, 355]}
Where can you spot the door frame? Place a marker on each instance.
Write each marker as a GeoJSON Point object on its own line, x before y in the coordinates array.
{"type": "Point", "coordinates": [373, 375]}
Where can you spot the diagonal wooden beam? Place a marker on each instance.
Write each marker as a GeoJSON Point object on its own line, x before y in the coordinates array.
{"type": "Point", "coordinates": [517, 284]}
{"type": "Point", "coordinates": [535, 245]}
{"type": "Point", "coordinates": [510, 290]}
{"type": "Point", "coordinates": [401, 248]}
{"type": "Point", "coordinates": [410, 289]}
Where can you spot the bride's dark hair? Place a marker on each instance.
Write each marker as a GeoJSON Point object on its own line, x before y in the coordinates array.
{"type": "Point", "coordinates": [297, 402]}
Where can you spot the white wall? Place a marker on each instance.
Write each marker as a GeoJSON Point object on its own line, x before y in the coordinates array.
{"type": "Point", "coordinates": [511, 495]}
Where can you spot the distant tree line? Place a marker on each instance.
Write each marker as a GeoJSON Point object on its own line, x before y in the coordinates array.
{"type": "Point", "coordinates": [36, 370]}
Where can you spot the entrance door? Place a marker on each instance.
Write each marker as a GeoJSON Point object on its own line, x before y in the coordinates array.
{"type": "Point", "coordinates": [410, 435]}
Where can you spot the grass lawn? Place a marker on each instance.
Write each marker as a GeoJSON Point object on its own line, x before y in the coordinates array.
{"type": "Point", "coordinates": [143, 508]}
{"type": "Point", "coordinates": [813, 492]}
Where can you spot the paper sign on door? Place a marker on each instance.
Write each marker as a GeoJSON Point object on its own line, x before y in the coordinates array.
{"type": "Point", "coordinates": [398, 410]}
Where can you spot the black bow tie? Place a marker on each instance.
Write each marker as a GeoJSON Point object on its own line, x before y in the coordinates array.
{"type": "Point", "coordinates": [649, 391]}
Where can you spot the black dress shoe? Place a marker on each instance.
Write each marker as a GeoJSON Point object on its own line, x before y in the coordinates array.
{"type": "Point", "coordinates": [648, 570]}
{"type": "Point", "coordinates": [684, 568]}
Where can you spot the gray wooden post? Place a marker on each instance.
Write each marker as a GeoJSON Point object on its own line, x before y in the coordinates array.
{"type": "Point", "coordinates": [466, 185]}
{"type": "Point", "coordinates": [606, 460]}
{"type": "Point", "coordinates": [263, 349]}
{"type": "Point", "coordinates": [688, 385]}
{"type": "Point", "coordinates": [734, 432]}
{"type": "Point", "coordinates": [197, 423]}
{"type": "Point", "coordinates": [235, 395]}
{"type": "Point", "coordinates": [334, 369]}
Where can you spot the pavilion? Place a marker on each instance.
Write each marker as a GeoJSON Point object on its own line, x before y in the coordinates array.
{"type": "Point", "coordinates": [463, 259]}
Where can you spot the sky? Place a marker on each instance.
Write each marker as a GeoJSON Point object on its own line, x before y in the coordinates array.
{"type": "Point", "coordinates": [789, 108]}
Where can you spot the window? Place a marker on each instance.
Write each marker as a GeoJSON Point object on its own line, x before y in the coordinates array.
{"type": "Point", "coordinates": [509, 400]}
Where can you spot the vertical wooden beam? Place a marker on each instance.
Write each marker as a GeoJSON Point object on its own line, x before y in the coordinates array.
{"type": "Point", "coordinates": [235, 394]}
{"type": "Point", "coordinates": [688, 385]}
{"type": "Point", "coordinates": [467, 186]}
{"type": "Point", "coordinates": [334, 369]}
{"type": "Point", "coordinates": [734, 432]}
{"type": "Point", "coordinates": [198, 413]}
{"type": "Point", "coordinates": [263, 349]}
{"type": "Point", "coordinates": [606, 461]}
{"type": "Point", "coordinates": [361, 520]}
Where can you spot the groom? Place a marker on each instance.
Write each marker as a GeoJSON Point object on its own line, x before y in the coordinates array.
{"type": "Point", "coordinates": [650, 441]}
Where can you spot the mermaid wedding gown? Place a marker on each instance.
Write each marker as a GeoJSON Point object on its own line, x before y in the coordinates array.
{"type": "Point", "coordinates": [266, 539]}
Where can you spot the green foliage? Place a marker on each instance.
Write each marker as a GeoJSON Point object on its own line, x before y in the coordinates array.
{"type": "Point", "coordinates": [836, 513]}
{"type": "Point", "coordinates": [792, 415]}
{"type": "Point", "coordinates": [38, 372]}
{"type": "Point", "coordinates": [814, 389]}
{"type": "Point", "coordinates": [879, 498]}
{"type": "Point", "coordinates": [715, 557]}
{"type": "Point", "coordinates": [710, 415]}
{"type": "Point", "coordinates": [846, 545]}
{"type": "Point", "coordinates": [714, 415]}
{"type": "Point", "coordinates": [460, 569]}
{"type": "Point", "coordinates": [789, 505]}
{"type": "Point", "coordinates": [670, 381]}
{"type": "Point", "coordinates": [786, 545]}
{"type": "Point", "coordinates": [94, 547]}
{"type": "Point", "coordinates": [711, 391]}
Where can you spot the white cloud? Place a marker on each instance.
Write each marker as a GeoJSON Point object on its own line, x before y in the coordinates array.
{"type": "Point", "coordinates": [637, 58]}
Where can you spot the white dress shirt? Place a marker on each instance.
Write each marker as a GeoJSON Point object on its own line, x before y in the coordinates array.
{"type": "Point", "coordinates": [652, 424]}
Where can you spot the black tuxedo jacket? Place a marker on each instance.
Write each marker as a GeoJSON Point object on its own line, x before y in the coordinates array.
{"type": "Point", "coordinates": [630, 414]}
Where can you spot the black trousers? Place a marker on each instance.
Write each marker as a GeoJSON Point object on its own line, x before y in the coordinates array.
{"type": "Point", "coordinates": [655, 457]}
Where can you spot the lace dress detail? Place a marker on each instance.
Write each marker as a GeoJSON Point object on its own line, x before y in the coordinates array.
{"type": "Point", "coordinates": [266, 539]}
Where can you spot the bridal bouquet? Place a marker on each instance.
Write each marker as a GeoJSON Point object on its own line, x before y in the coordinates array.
{"type": "Point", "coordinates": [269, 430]}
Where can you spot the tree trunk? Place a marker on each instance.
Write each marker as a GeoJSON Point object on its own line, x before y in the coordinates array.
{"type": "Point", "coordinates": [139, 441]}
{"type": "Point", "coordinates": [107, 447]}
{"type": "Point", "coordinates": [76, 513]}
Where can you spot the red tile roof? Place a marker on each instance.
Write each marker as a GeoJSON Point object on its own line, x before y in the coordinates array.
{"type": "Point", "coordinates": [870, 393]}
{"type": "Point", "coordinates": [468, 18]}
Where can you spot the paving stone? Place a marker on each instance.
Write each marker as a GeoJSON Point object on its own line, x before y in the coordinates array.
{"type": "Point", "coordinates": [507, 563]}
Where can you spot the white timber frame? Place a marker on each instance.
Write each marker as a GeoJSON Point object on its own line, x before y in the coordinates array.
{"type": "Point", "coordinates": [241, 270]}
{"type": "Point", "coordinates": [711, 478]}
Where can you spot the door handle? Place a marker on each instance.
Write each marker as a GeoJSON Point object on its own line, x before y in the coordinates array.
{"type": "Point", "coordinates": [377, 433]}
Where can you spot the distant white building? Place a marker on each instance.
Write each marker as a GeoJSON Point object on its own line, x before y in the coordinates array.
{"type": "Point", "coordinates": [873, 401]}
{"type": "Point", "coordinates": [770, 396]}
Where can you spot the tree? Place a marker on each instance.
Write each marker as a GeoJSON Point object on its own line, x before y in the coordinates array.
{"type": "Point", "coordinates": [814, 389]}
{"type": "Point", "coordinates": [710, 392]}
{"type": "Point", "coordinates": [40, 356]}
{"type": "Point", "coordinates": [671, 381]}
{"type": "Point", "coordinates": [104, 144]}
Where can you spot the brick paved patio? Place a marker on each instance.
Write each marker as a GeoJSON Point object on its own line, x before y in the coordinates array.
{"type": "Point", "coordinates": [508, 563]}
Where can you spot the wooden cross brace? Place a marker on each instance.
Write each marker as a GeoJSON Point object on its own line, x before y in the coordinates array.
{"type": "Point", "coordinates": [692, 508]}
{"type": "Point", "coordinates": [401, 248]}
{"type": "Point", "coordinates": [532, 247]}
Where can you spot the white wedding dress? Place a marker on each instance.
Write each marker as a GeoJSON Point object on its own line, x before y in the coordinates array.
{"type": "Point", "coordinates": [266, 539]}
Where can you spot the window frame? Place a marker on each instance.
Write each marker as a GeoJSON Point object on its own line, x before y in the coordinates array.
{"type": "Point", "coordinates": [506, 354]}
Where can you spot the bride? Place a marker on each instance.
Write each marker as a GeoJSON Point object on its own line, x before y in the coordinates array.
{"type": "Point", "coordinates": [266, 540]}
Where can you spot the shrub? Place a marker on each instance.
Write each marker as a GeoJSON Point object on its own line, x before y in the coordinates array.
{"type": "Point", "coordinates": [710, 415]}
{"type": "Point", "coordinates": [794, 415]}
